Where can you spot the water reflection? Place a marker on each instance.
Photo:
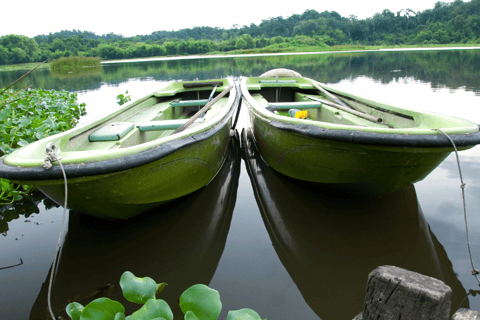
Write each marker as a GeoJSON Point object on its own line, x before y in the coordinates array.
{"type": "Point", "coordinates": [182, 246]}
{"type": "Point", "coordinates": [23, 209]}
{"type": "Point", "coordinates": [83, 72]}
{"type": "Point", "coordinates": [329, 243]}
{"type": "Point", "coordinates": [452, 69]}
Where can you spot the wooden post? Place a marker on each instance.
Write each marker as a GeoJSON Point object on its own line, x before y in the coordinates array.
{"type": "Point", "coordinates": [396, 293]}
{"type": "Point", "coordinates": [466, 314]}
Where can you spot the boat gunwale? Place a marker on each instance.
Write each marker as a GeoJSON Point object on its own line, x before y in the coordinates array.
{"type": "Point", "coordinates": [113, 165]}
{"type": "Point", "coordinates": [380, 139]}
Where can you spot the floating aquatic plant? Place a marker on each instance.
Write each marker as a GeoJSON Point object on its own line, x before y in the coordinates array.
{"type": "Point", "coordinates": [199, 302]}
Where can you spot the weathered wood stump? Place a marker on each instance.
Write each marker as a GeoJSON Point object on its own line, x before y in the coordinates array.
{"type": "Point", "coordinates": [466, 314]}
{"type": "Point", "coordinates": [396, 293]}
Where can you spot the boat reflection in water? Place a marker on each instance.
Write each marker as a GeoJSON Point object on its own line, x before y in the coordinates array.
{"type": "Point", "coordinates": [181, 246]}
{"type": "Point", "coordinates": [329, 243]}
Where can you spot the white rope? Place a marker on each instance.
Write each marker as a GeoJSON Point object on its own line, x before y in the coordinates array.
{"type": "Point", "coordinates": [475, 271]}
{"type": "Point", "coordinates": [51, 157]}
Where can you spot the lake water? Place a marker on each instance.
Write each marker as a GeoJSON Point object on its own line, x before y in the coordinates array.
{"type": "Point", "coordinates": [264, 241]}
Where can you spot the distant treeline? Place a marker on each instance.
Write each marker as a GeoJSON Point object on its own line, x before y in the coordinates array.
{"type": "Point", "coordinates": [456, 22]}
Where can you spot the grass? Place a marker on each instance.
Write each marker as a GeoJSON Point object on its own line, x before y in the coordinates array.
{"type": "Point", "coordinates": [70, 64]}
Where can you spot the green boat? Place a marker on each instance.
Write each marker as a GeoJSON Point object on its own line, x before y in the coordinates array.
{"type": "Point", "coordinates": [309, 131]}
{"type": "Point", "coordinates": [159, 148]}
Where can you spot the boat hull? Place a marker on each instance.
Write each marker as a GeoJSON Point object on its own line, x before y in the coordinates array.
{"type": "Point", "coordinates": [356, 168]}
{"type": "Point", "coordinates": [168, 150]}
{"type": "Point", "coordinates": [124, 194]}
{"type": "Point", "coordinates": [363, 158]}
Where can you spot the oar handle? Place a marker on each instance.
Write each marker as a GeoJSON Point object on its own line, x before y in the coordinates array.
{"type": "Point", "coordinates": [349, 110]}
{"type": "Point", "coordinates": [203, 110]}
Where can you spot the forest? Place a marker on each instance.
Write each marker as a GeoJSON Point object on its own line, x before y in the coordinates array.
{"type": "Point", "coordinates": [457, 22]}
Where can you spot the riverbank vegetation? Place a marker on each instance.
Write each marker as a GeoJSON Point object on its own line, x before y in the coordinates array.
{"type": "Point", "coordinates": [29, 115]}
{"type": "Point", "coordinates": [67, 64]}
{"type": "Point", "coordinates": [447, 23]}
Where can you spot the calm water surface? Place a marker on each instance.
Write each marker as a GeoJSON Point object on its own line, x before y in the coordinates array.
{"type": "Point", "coordinates": [286, 249]}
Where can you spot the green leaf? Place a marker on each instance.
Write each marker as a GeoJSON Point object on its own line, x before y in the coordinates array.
{"type": "Point", "coordinates": [102, 309]}
{"type": "Point", "coordinates": [190, 316]}
{"type": "Point", "coordinates": [243, 314]}
{"type": "Point", "coordinates": [74, 310]}
{"type": "Point", "coordinates": [22, 143]}
{"type": "Point", "coordinates": [120, 316]}
{"type": "Point", "coordinates": [25, 121]}
{"type": "Point", "coordinates": [203, 301]}
{"type": "Point", "coordinates": [153, 309]}
{"type": "Point", "coordinates": [160, 287]}
{"type": "Point", "coordinates": [137, 290]}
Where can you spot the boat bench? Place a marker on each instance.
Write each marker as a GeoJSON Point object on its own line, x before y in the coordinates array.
{"type": "Point", "coordinates": [161, 125]}
{"type": "Point", "coordinates": [189, 103]}
{"type": "Point", "coordinates": [112, 132]}
{"type": "Point", "coordinates": [117, 130]}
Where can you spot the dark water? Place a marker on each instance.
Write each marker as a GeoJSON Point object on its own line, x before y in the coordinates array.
{"type": "Point", "coordinates": [286, 249]}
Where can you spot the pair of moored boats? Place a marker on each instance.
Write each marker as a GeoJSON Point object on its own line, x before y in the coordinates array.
{"type": "Point", "coordinates": [173, 142]}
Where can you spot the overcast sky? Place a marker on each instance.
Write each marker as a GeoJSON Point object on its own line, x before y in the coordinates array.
{"type": "Point", "coordinates": [140, 17]}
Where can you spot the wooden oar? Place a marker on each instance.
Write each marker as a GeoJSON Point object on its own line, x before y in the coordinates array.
{"type": "Point", "coordinates": [331, 96]}
{"type": "Point", "coordinates": [203, 110]}
{"type": "Point", "coordinates": [346, 109]}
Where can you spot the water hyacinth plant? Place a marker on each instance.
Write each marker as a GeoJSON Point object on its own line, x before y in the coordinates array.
{"type": "Point", "coordinates": [199, 302]}
{"type": "Point", "coordinates": [123, 98]}
{"type": "Point", "coordinates": [30, 115]}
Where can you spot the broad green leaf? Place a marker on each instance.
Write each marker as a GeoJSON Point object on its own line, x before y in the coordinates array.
{"type": "Point", "coordinates": [5, 184]}
{"type": "Point", "coordinates": [74, 310]}
{"type": "Point", "coordinates": [137, 290]}
{"type": "Point", "coordinates": [25, 121]}
{"type": "Point", "coordinates": [243, 314]}
{"type": "Point", "coordinates": [203, 301]}
{"type": "Point", "coordinates": [22, 142]}
{"type": "Point", "coordinates": [51, 123]}
{"type": "Point", "coordinates": [102, 309]}
{"type": "Point", "coordinates": [153, 309]}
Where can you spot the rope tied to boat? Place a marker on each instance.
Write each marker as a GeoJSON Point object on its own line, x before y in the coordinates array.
{"type": "Point", "coordinates": [475, 271]}
{"type": "Point", "coordinates": [52, 157]}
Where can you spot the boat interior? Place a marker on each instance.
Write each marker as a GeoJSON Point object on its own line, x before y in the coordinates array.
{"type": "Point", "coordinates": [151, 118]}
{"type": "Point", "coordinates": [307, 102]}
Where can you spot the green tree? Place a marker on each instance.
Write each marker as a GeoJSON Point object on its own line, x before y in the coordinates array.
{"type": "Point", "coordinates": [245, 41]}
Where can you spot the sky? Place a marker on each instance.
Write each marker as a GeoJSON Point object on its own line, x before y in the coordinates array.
{"type": "Point", "coordinates": [140, 17]}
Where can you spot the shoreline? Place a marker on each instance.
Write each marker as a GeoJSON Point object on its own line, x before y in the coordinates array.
{"type": "Point", "coordinates": [30, 65]}
{"type": "Point", "coordinates": [243, 55]}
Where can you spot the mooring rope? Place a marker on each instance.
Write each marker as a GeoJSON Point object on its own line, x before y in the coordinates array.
{"type": "Point", "coordinates": [475, 271]}
{"type": "Point", "coordinates": [52, 157]}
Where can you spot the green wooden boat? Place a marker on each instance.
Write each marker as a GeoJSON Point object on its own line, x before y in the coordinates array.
{"type": "Point", "coordinates": [312, 132]}
{"type": "Point", "coordinates": [159, 148]}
